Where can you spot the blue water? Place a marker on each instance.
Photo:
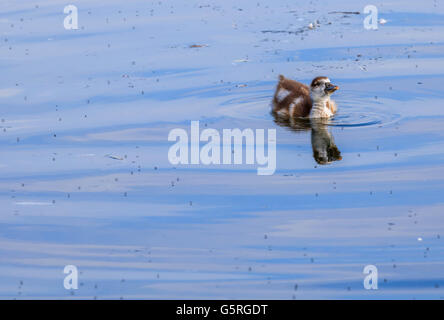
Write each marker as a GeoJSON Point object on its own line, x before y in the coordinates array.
{"type": "Point", "coordinates": [85, 178]}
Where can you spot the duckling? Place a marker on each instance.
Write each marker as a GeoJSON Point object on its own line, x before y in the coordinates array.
{"type": "Point", "coordinates": [293, 99]}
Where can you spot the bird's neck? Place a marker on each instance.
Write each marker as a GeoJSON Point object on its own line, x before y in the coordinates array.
{"type": "Point", "coordinates": [320, 108]}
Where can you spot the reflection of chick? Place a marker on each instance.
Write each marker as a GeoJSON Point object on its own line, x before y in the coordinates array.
{"type": "Point", "coordinates": [325, 150]}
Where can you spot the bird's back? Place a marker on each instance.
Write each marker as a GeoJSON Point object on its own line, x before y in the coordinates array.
{"type": "Point", "coordinates": [291, 99]}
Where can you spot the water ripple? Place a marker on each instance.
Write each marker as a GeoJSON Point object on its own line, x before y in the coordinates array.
{"type": "Point", "coordinates": [354, 113]}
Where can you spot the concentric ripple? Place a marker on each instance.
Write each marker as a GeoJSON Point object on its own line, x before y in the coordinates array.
{"type": "Point", "coordinates": [356, 113]}
{"type": "Point", "coordinates": [353, 117]}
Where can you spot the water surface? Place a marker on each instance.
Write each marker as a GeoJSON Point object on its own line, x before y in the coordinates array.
{"type": "Point", "coordinates": [85, 179]}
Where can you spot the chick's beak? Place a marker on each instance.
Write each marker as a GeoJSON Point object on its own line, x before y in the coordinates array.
{"type": "Point", "coordinates": [331, 88]}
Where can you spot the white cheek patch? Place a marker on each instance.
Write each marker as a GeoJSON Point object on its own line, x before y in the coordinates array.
{"type": "Point", "coordinates": [317, 94]}
{"type": "Point", "coordinates": [282, 94]}
{"type": "Point", "coordinates": [324, 82]}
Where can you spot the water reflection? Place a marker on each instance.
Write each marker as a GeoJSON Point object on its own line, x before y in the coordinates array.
{"type": "Point", "coordinates": [324, 147]}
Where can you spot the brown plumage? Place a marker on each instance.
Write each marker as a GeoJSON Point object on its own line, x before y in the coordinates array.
{"type": "Point", "coordinates": [295, 90]}
{"type": "Point", "coordinates": [293, 99]}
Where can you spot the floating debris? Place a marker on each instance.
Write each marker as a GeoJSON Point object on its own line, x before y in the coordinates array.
{"type": "Point", "coordinates": [345, 12]}
{"type": "Point", "coordinates": [314, 24]}
{"type": "Point", "coordinates": [113, 157]}
{"type": "Point", "coordinates": [301, 30]}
